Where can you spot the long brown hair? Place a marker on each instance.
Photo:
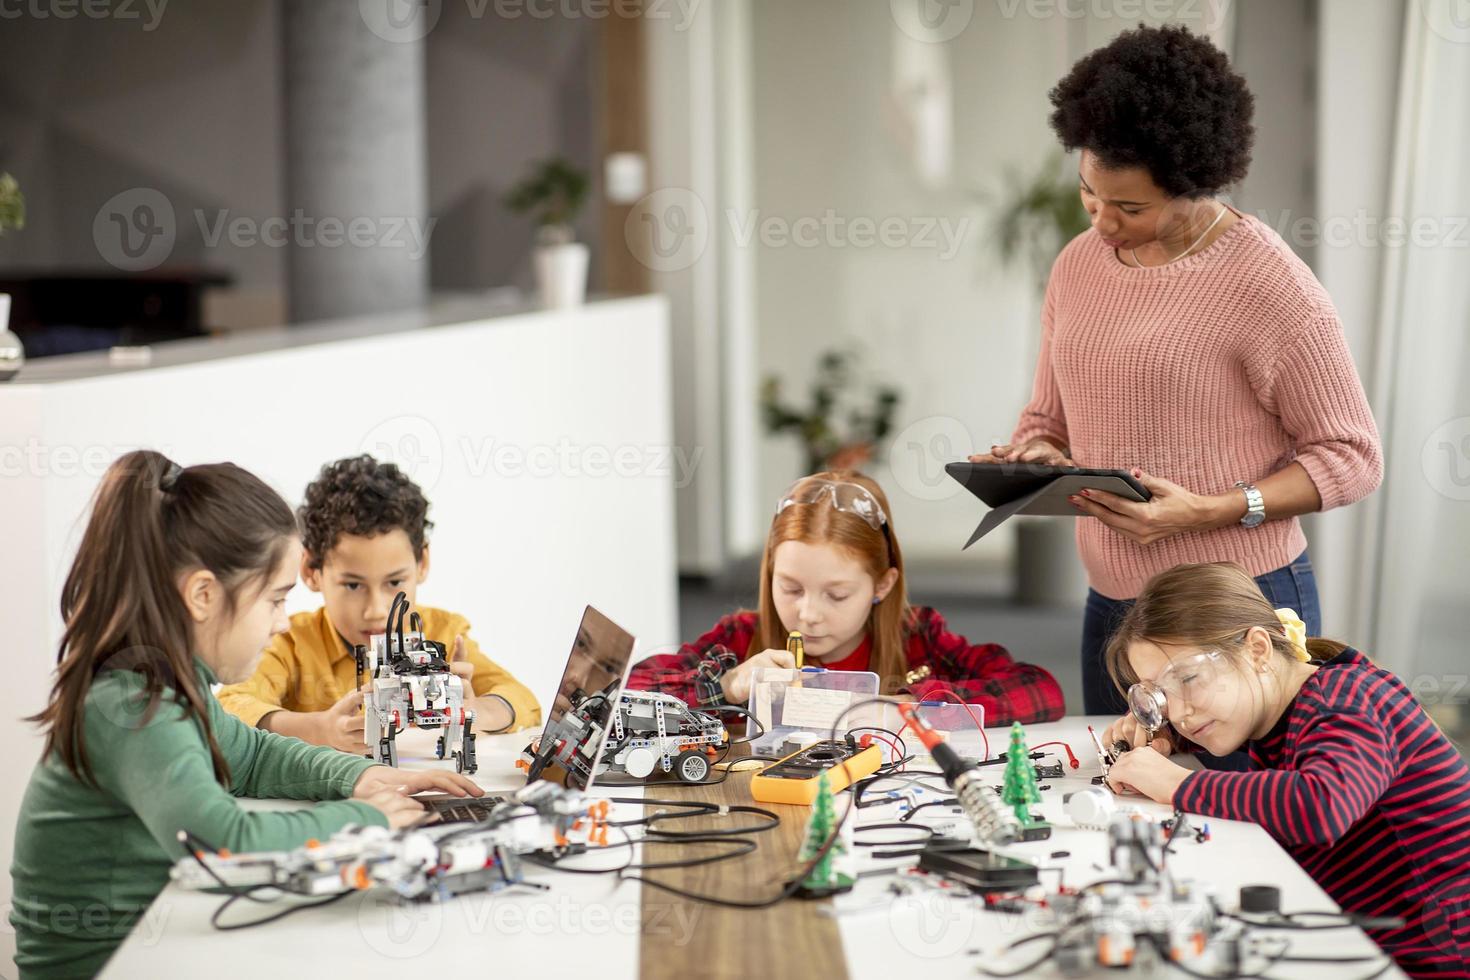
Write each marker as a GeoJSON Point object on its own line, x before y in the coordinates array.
{"type": "Point", "coordinates": [1205, 605]}
{"type": "Point", "coordinates": [151, 522]}
{"type": "Point", "coordinates": [874, 550]}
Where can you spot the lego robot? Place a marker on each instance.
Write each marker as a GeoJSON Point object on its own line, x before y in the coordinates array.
{"type": "Point", "coordinates": [652, 730]}
{"type": "Point", "coordinates": [413, 685]}
{"type": "Point", "coordinates": [646, 731]}
{"type": "Point", "coordinates": [1142, 911]}
{"type": "Point", "coordinates": [422, 864]}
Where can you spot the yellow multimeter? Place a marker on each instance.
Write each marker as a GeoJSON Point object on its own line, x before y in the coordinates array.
{"type": "Point", "coordinates": [793, 779]}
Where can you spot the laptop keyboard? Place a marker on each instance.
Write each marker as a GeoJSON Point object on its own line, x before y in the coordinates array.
{"type": "Point", "coordinates": [452, 809]}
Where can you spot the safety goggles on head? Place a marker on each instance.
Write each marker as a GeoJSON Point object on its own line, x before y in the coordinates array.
{"type": "Point", "coordinates": [1189, 680]}
{"type": "Point", "coordinates": [850, 498]}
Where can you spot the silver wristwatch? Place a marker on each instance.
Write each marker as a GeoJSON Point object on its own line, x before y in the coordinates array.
{"type": "Point", "coordinates": [1255, 506]}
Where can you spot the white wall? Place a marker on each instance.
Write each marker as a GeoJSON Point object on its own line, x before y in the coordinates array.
{"type": "Point", "coordinates": [1357, 84]}
{"type": "Point", "coordinates": [857, 116]}
{"type": "Point", "coordinates": [519, 549]}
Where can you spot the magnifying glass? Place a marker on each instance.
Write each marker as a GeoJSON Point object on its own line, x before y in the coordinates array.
{"type": "Point", "coordinates": [1149, 706]}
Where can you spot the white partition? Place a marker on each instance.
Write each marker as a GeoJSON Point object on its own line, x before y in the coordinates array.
{"type": "Point", "coordinates": [542, 439]}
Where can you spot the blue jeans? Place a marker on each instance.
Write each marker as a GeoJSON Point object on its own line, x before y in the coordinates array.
{"type": "Point", "coordinates": [1293, 585]}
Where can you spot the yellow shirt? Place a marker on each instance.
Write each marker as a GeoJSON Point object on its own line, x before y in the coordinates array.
{"type": "Point", "coordinates": [310, 668]}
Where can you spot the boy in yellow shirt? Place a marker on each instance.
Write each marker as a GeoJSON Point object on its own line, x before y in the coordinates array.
{"type": "Point", "coordinates": [363, 530]}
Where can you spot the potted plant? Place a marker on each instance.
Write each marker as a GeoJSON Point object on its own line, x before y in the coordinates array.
{"type": "Point", "coordinates": [554, 191]}
{"type": "Point", "coordinates": [12, 216]}
{"type": "Point", "coordinates": [828, 445]}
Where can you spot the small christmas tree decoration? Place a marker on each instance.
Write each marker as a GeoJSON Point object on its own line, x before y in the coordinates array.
{"type": "Point", "coordinates": [833, 872]}
{"type": "Point", "coordinates": [1019, 790]}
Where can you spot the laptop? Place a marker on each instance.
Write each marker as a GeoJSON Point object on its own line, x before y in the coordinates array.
{"type": "Point", "coordinates": [577, 726]}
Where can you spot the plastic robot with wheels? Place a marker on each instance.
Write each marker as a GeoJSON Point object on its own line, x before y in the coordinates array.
{"type": "Point", "coordinates": [413, 685]}
{"type": "Point", "coordinates": [658, 731]}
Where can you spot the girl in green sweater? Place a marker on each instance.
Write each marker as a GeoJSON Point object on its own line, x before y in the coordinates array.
{"type": "Point", "coordinates": [179, 583]}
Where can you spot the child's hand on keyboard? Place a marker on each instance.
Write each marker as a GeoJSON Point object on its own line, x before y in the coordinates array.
{"type": "Point", "coordinates": [410, 781]}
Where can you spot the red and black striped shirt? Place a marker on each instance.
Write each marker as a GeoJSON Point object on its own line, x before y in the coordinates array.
{"type": "Point", "coordinates": [983, 673]}
{"type": "Point", "coordinates": [1365, 791]}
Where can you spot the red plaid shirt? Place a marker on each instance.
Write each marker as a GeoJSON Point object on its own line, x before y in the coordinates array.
{"type": "Point", "coordinates": [982, 674]}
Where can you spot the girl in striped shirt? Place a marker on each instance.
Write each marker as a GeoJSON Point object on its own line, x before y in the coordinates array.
{"type": "Point", "coordinates": [1347, 771]}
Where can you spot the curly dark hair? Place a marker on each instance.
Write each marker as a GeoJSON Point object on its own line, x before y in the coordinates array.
{"type": "Point", "coordinates": [359, 495]}
{"type": "Point", "coordinates": [1163, 99]}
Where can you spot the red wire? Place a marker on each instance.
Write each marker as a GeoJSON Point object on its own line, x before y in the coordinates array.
{"type": "Point", "coordinates": [1071, 758]}
{"type": "Point", "coordinates": [942, 689]}
{"type": "Point", "coordinates": [897, 755]}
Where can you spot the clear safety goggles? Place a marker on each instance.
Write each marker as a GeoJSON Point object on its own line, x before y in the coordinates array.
{"type": "Point", "coordinates": [850, 498]}
{"type": "Point", "coordinates": [1191, 680]}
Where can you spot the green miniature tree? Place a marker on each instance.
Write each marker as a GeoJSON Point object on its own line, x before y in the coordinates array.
{"type": "Point", "coordinates": [824, 878]}
{"type": "Point", "coordinates": [1019, 790]}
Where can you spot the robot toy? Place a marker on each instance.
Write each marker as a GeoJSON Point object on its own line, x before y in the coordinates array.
{"type": "Point", "coordinates": [413, 685]}
{"type": "Point", "coordinates": [421, 864]}
{"type": "Point", "coordinates": [652, 730]}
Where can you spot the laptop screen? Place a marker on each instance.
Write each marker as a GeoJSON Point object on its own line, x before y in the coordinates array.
{"type": "Point", "coordinates": [583, 706]}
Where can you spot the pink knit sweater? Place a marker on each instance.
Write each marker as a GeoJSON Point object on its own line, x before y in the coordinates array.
{"type": "Point", "coordinates": [1223, 366]}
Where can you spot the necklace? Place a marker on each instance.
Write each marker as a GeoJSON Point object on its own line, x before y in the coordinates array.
{"type": "Point", "coordinates": [1191, 248]}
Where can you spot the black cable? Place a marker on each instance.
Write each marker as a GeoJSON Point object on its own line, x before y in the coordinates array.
{"type": "Point", "coordinates": [913, 778]}
{"type": "Point", "coordinates": [910, 842]}
{"type": "Point", "coordinates": [188, 840]}
{"type": "Point", "coordinates": [1053, 936]}
{"type": "Point", "coordinates": [795, 883]}
{"type": "Point", "coordinates": [899, 745]}
{"type": "Point", "coordinates": [748, 716]}
{"type": "Point", "coordinates": [746, 846]}
{"type": "Point", "coordinates": [512, 723]}
{"type": "Point", "coordinates": [697, 808]}
{"type": "Point", "coordinates": [1348, 920]}
{"type": "Point", "coordinates": [952, 801]}
{"type": "Point", "coordinates": [214, 919]}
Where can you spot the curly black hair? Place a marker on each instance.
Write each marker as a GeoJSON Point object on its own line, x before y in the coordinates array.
{"type": "Point", "coordinates": [1163, 99]}
{"type": "Point", "coordinates": [359, 495]}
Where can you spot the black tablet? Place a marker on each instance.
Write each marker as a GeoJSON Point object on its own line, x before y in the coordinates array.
{"type": "Point", "coordinates": [998, 484]}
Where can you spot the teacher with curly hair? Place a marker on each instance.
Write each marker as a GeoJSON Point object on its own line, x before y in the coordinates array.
{"type": "Point", "coordinates": [1184, 341]}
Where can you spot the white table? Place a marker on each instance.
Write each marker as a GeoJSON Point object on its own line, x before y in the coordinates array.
{"type": "Point", "coordinates": [585, 925]}
{"type": "Point", "coordinates": [886, 936]}
{"type": "Point", "coordinates": [579, 920]}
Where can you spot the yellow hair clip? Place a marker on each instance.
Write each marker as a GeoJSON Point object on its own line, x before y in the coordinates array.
{"type": "Point", "coordinates": [1296, 632]}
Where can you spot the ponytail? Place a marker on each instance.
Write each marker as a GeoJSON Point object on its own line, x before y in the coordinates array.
{"type": "Point", "coordinates": [151, 522]}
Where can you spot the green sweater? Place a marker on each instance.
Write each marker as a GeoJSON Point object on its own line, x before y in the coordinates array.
{"type": "Point", "coordinates": [90, 859]}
